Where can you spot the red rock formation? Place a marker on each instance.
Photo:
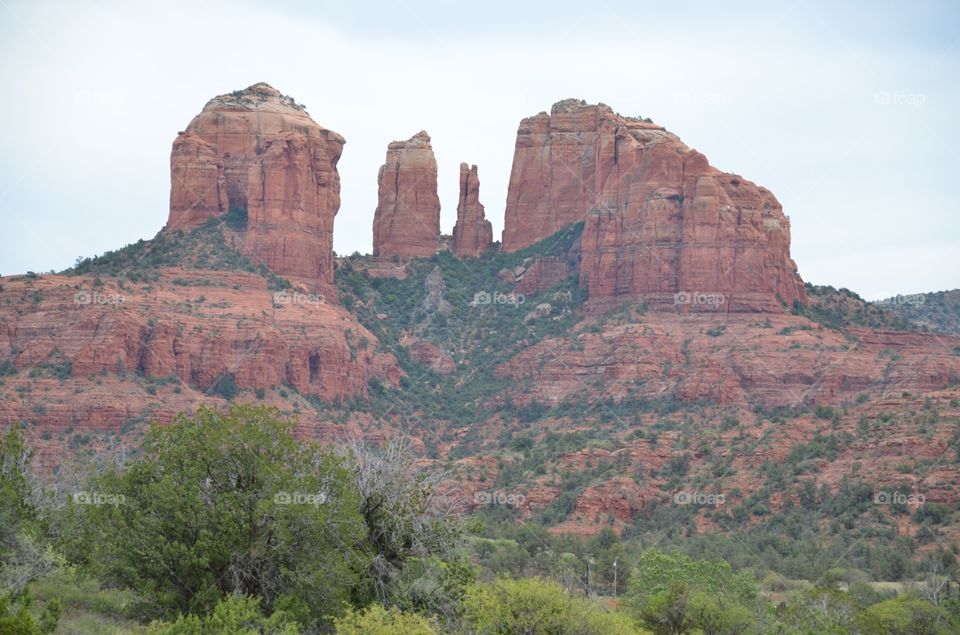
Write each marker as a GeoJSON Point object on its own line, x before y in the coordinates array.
{"type": "Point", "coordinates": [659, 219]}
{"type": "Point", "coordinates": [407, 220]}
{"type": "Point", "coordinates": [286, 190]}
{"type": "Point", "coordinates": [544, 272]}
{"type": "Point", "coordinates": [231, 325]}
{"type": "Point", "coordinates": [473, 233]}
{"type": "Point", "coordinates": [277, 164]}
{"type": "Point", "coordinates": [430, 355]}
{"type": "Point", "coordinates": [782, 361]}
{"type": "Point", "coordinates": [198, 190]}
{"type": "Point", "coordinates": [554, 179]}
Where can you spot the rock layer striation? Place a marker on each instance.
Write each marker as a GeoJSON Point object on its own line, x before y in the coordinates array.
{"type": "Point", "coordinates": [407, 219]}
{"type": "Point", "coordinates": [473, 233]}
{"type": "Point", "coordinates": [661, 224]}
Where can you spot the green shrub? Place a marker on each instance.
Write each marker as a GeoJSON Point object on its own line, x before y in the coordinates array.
{"type": "Point", "coordinates": [212, 500]}
{"type": "Point", "coordinates": [236, 615]}
{"type": "Point", "coordinates": [225, 386]}
{"type": "Point", "coordinates": [534, 605]}
{"type": "Point", "coordinates": [376, 620]}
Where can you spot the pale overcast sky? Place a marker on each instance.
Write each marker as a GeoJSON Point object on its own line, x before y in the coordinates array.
{"type": "Point", "coordinates": [848, 114]}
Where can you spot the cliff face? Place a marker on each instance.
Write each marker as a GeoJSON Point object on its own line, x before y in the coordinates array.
{"type": "Point", "coordinates": [258, 151]}
{"type": "Point", "coordinates": [778, 361]}
{"type": "Point", "coordinates": [556, 173]}
{"type": "Point", "coordinates": [198, 190]}
{"type": "Point", "coordinates": [473, 233]}
{"type": "Point", "coordinates": [98, 357]}
{"type": "Point", "coordinates": [293, 194]}
{"type": "Point", "coordinates": [407, 219]}
{"type": "Point", "coordinates": [661, 224]}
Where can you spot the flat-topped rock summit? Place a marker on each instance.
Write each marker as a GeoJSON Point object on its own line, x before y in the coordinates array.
{"type": "Point", "coordinates": [661, 223]}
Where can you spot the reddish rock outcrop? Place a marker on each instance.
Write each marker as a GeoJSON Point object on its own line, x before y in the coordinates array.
{"type": "Point", "coordinates": [430, 355]}
{"type": "Point", "coordinates": [407, 220]}
{"type": "Point", "coordinates": [231, 324]}
{"type": "Point", "coordinates": [198, 188]}
{"type": "Point", "coordinates": [259, 151]}
{"type": "Point", "coordinates": [291, 208]}
{"type": "Point", "coordinates": [544, 272]}
{"type": "Point", "coordinates": [782, 361]}
{"type": "Point", "coordinates": [231, 328]}
{"type": "Point", "coordinates": [659, 220]}
{"type": "Point", "coordinates": [473, 233]}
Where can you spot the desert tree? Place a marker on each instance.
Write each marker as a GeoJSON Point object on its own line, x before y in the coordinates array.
{"type": "Point", "coordinates": [413, 528]}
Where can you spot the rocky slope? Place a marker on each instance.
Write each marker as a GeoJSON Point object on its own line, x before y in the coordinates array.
{"type": "Point", "coordinates": [593, 420]}
{"type": "Point", "coordinates": [938, 311]}
{"type": "Point", "coordinates": [91, 356]}
{"type": "Point", "coordinates": [784, 361]}
{"type": "Point", "coordinates": [662, 225]}
{"type": "Point", "coordinates": [259, 152]}
{"type": "Point", "coordinates": [406, 222]}
{"type": "Point", "coordinates": [473, 233]}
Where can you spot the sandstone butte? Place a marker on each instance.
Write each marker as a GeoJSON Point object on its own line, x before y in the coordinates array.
{"type": "Point", "coordinates": [259, 151]}
{"type": "Point", "coordinates": [407, 219]}
{"type": "Point", "coordinates": [473, 233]}
{"type": "Point", "coordinates": [659, 220]}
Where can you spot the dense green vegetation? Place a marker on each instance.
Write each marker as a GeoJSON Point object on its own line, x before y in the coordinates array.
{"type": "Point", "coordinates": [455, 304]}
{"type": "Point", "coordinates": [939, 311]}
{"type": "Point", "coordinates": [225, 524]}
{"type": "Point", "coordinates": [226, 477]}
{"type": "Point", "coordinates": [208, 247]}
{"type": "Point", "coordinates": [25, 553]}
{"type": "Point", "coordinates": [841, 308]}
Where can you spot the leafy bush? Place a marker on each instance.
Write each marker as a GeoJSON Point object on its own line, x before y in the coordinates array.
{"type": "Point", "coordinates": [656, 569]}
{"type": "Point", "coordinates": [211, 509]}
{"type": "Point", "coordinates": [225, 386]}
{"type": "Point", "coordinates": [236, 614]}
{"type": "Point", "coordinates": [534, 605]}
{"type": "Point", "coordinates": [377, 620]}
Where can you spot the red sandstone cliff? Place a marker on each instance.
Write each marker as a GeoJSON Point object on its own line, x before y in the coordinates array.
{"type": "Point", "coordinates": [198, 188]}
{"type": "Point", "coordinates": [473, 233]}
{"type": "Point", "coordinates": [259, 151]}
{"type": "Point", "coordinates": [661, 224]}
{"type": "Point", "coordinates": [99, 354]}
{"type": "Point", "coordinates": [407, 219]}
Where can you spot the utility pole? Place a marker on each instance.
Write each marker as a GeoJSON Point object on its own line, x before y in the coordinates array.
{"type": "Point", "coordinates": [614, 577]}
